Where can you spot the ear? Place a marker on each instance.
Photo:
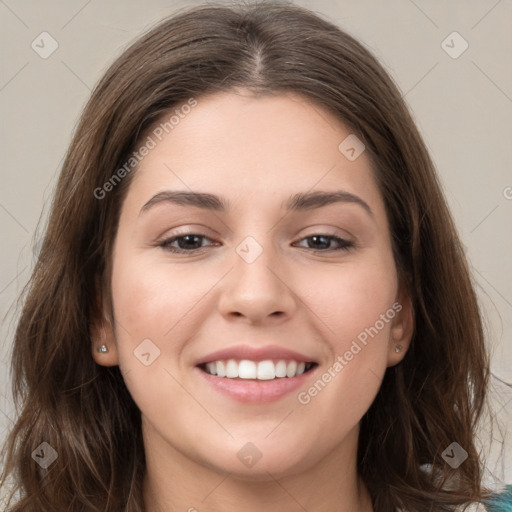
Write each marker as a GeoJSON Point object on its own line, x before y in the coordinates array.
{"type": "Point", "coordinates": [103, 335]}
{"type": "Point", "coordinates": [402, 327]}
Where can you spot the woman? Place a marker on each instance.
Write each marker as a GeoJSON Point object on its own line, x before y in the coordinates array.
{"type": "Point", "coordinates": [251, 292]}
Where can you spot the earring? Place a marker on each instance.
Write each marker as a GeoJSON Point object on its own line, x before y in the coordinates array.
{"type": "Point", "coordinates": [398, 348]}
{"type": "Point", "coordinates": [102, 349]}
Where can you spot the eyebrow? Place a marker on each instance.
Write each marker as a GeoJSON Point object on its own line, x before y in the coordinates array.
{"type": "Point", "coordinates": [297, 202]}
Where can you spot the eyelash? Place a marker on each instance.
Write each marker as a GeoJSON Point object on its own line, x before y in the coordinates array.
{"type": "Point", "coordinates": [165, 244]}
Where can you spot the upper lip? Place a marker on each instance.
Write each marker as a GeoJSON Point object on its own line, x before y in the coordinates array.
{"type": "Point", "coordinates": [266, 352]}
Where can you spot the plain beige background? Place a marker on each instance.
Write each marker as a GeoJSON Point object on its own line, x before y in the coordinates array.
{"type": "Point", "coordinates": [461, 100]}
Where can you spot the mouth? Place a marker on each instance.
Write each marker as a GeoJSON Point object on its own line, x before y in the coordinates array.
{"type": "Point", "coordinates": [255, 375]}
{"type": "Point", "coordinates": [266, 370]}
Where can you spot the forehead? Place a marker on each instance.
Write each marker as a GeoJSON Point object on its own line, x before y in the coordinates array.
{"type": "Point", "coordinates": [240, 146]}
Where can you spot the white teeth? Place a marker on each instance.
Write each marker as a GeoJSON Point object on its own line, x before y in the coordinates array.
{"type": "Point", "coordinates": [247, 369]}
{"type": "Point", "coordinates": [221, 369]}
{"type": "Point", "coordinates": [266, 370]}
{"type": "Point", "coordinates": [281, 369]}
{"type": "Point", "coordinates": [291, 369]}
{"type": "Point", "coordinates": [212, 368]}
{"type": "Point", "coordinates": [231, 369]}
{"type": "Point", "coordinates": [262, 370]}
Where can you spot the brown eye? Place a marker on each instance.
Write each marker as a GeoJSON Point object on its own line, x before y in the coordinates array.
{"type": "Point", "coordinates": [188, 243]}
{"type": "Point", "coordinates": [323, 243]}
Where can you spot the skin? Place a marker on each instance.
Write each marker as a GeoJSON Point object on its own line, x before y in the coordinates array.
{"type": "Point", "coordinates": [255, 152]}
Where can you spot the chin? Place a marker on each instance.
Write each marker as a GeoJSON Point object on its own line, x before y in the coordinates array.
{"type": "Point", "coordinates": [262, 460]}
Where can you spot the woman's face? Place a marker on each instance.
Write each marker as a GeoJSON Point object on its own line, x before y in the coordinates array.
{"type": "Point", "coordinates": [284, 266]}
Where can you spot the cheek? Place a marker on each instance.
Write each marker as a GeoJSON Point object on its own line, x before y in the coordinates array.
{"type": "Point", "coordinates": [152, 326]}
{"type": "Point", "coordinates": [356, 308]}
{"type": "Point", "coordinates": [151, 300]}
{"type": "Point", "coordinates": [351, 298]}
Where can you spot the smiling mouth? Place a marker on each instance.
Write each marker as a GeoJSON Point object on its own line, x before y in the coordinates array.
{"type": "Point", "coordinates": [246, 369]}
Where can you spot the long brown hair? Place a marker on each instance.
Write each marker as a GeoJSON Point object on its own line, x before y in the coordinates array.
{"type": "Point", "coordinates": [433, 398]}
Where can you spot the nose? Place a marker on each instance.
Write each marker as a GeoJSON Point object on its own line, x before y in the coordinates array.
{"type": "Point", "coordinates": [259, 290]}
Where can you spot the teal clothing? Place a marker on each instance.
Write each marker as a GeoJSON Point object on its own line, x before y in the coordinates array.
{"type": "Point", "coordinates": [501, 502]}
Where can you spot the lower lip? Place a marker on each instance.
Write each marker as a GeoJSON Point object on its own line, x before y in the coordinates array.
{"type": "Point", "coordinates": [256, 391]}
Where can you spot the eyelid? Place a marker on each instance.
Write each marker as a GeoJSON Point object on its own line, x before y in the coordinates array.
{"type": "Point", "coordinates": [344, 244]}
{"type": "Point", "coordinates": [188, 229]}
{"type": "Point", "coordinates": [166, 240]}
{"type": "Point", "coordinates": [336, 232]}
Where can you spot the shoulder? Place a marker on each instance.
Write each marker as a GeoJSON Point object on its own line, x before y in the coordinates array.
{"type": "Point", "coordinates": [474, 507]}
